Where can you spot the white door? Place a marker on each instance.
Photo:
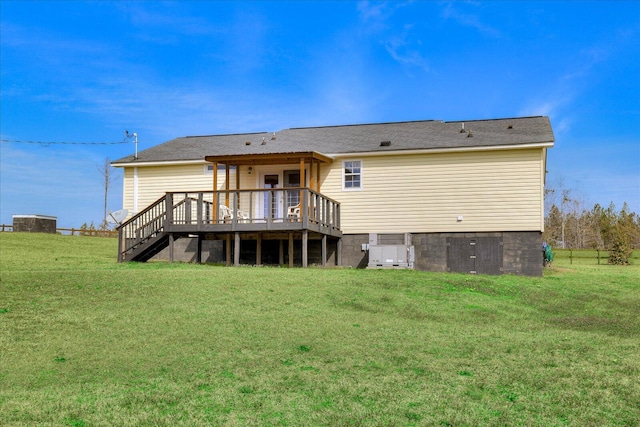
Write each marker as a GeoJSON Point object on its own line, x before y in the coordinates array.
{"type": "Point", "coordinates": [271, 201]}
{"type": "Point", "coordinates": [291, 180]}
{"type": "Point", "coordinates": [275, 204]}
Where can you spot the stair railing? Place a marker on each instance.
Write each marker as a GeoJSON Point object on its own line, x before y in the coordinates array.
{"type": "Point", "coordinates": [141, 227]}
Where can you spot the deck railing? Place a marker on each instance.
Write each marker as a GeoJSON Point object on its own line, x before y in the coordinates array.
{"type": "Point", "coordinates": [257, 206]}
{"type": "Point", "coordinates": [142, 227]}
{"type": "Point", "coordinates": [231, 210]}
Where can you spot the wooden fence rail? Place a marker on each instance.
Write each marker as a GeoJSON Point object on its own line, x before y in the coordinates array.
{"type": "Point", "coordinates": [71, 231]}
{"type": "Point", "coordinates": [588, 256]}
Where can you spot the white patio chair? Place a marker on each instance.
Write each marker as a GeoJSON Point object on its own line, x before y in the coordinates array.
{"type": "Point", "coordinates": [242, 216]}
{"type": "Point", "coordinates": [227, 214]}
{"type": "Point", "coordinates": [293, 212]}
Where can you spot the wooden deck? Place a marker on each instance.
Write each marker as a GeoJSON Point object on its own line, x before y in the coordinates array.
{"type": "Point", "coordinates": [232, 215]}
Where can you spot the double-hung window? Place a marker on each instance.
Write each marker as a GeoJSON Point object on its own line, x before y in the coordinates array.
{"type": "Point", "coordinates": [352, 175]}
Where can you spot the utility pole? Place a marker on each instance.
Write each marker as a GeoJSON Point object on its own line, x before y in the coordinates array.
{"type": "Point", "coordinates": [106, 175]}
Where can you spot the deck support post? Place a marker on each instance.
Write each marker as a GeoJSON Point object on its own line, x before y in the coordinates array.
{"type": "Point", "coordinates": [324, 250]}
{"type": "Point", "coordinates": [259, 249]}
{"type": "Point", "coordinates": [305, 247]}
{"type": "Point", "coordinates": [290, 250]}
{"type": "Point", "coordinates": [281, 253]}
{"type": "Point", "coordinates": [228, 249]}
{"type": "Point", "coordinates": [171, 240]}
{"type": "Point", "coordinates": [339, 252]}
{"type": "Point", "coordinates": [199, 249]}
{"type": "Point", "coordinates": [199, 211]}
{"type": "Point", "coordinates": [236, 250]}
{"type": "Point", "coordinates": [121, 240]}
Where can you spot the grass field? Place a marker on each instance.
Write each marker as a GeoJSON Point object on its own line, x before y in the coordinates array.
{"type": "Point", "coordinates": [85, 341]}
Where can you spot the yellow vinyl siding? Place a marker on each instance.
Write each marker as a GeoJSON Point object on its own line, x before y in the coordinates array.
{"type": "Point", "coordinates": [492, 191]}
{"type": "Point", "coordinates": [155, 181]}
{"type": "Point", "coordinates": [127, 190]}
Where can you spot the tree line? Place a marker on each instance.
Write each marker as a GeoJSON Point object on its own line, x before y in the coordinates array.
{"type": "Point", "coordinates": [570, 224]}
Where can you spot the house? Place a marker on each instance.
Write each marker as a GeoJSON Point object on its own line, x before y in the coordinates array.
{"type": "Point", "coordinates": [430, 195]}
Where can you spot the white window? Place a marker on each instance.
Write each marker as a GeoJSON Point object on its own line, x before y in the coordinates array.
{"type": "Point", "coordinates": [208, 168]}
{"type": "Point", "coordinates": [352, 175]}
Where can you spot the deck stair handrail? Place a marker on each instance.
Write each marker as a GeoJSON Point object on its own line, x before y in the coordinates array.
{"type": "Point", "coordinates": [138, 229]}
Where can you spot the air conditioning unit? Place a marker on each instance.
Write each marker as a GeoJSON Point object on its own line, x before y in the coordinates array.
{"type": "Point", "coordinates": [400, 255]}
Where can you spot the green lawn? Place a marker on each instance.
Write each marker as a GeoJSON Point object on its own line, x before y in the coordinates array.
{"type": "Point", "coordinates": [85, 341]}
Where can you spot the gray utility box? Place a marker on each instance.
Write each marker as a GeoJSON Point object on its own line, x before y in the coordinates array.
{"type": "Point", "coordinates": [34, 223]}
{"type": "Point", "coordinates": [390, 251]}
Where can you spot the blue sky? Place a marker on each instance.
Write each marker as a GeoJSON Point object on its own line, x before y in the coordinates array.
{"type": "Point", "coordinates": [84, 72]}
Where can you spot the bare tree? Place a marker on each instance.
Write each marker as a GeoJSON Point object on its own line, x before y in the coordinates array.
{"type": "Point", "coordinates": [105, 171]}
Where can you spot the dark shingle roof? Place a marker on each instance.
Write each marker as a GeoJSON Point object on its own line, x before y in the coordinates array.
{"type": "Point", "coordinates": [416, 135]}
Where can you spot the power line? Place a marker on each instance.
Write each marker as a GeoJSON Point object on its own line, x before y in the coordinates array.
{"type": "Point", "coordinates": [20, 141]}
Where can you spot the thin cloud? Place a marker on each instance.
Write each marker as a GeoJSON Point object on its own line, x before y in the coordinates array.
{"type": "Point", "coordinates": [380, 11]}
{"type": "Point", "coordinates": [553, 107]}
{"type": "Point", "coordinates": [44, 44]}
{"type": "Point", "coordinates": [591, 56]}
{"type": "Point", "coordinates": [400, 47]}
{"type": "Point", "coordinates": [404, 51]}
{"type": "Point", "coordinates": [173, 19]}
{"type": "Point", "coordinates": [469, 20]}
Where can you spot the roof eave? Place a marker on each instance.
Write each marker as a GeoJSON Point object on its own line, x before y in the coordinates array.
{"type": "Point", "coordinates": [269, 158]}
{"type": "Point", "coordinates": [548, 144]}
{"type": "Point", "coordinates": [295, 157]}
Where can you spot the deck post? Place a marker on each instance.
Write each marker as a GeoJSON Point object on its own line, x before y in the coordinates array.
{"type": "Point", "coordinates": [169, 211]}
{"type": "Point", "coordinates": [215, 207]}
{"type": "Point", "coordinates": [227, 173]}
{"type": "Point", "coordinates": [324, 250]}
{"type": "Point", "coordinates": [290, 250]}
{"type": "Point", "coordinates": [228, 249]}
{"type": "Point", "coordinates": [171, 240]}
{"type": "Point", "coordinates": [236, 250]}
{"type": "Point", "coordinates": [281, 252]}
{"type": "Point", "coordinates": [339, 252]}
{"type": "Point", "coordinates": [121, 245]}
{"type": "Point", "coordinates": [304, 211]}
{"type": "Point", "coordinates": [199, 217]}
{"type": "Point", "coordinates": [259, 249]}
{"type": "Point", "coordinates": [199, 249]}
{"type": "Point", "coordinates": [305, 247]}
{"type": "Point", "coordinates": [187, 209]}
{"type": "Point", "coordinates": [303, 180]}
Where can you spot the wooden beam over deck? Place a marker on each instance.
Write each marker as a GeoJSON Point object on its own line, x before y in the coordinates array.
{"type": "Point", "coordinates": [269, 158]}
